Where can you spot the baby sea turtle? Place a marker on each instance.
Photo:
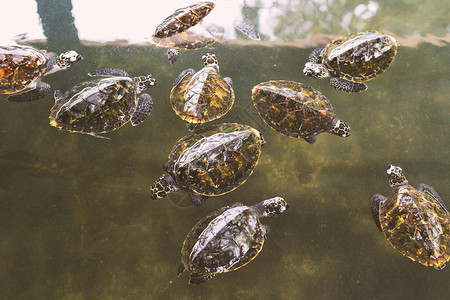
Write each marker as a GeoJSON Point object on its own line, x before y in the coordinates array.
{"type": "Point", "coordinates": [103, 105]}
{"type": "Point", "coordinates": [210, 162]}
{"type": "Point", "coordinates": [296, 110]}
{"type": "Point", "coordinates": [199, 97]}
{"type": "Point", "coordinates": [352, 59]}
{"type": "Point", "coordinates": [21, 69]}
{"type": "Point", "coordinates": [174, 33]}
{"type": "Point", "coordinates": [183, 19]}
{"type": "Point", "coordinates": [227, 239]}
{"type": "Point", "coordinates": [415, 221]}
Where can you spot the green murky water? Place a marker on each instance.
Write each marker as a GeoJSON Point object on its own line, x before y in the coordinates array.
{"type": "Point", "coordinates": [77, 221]}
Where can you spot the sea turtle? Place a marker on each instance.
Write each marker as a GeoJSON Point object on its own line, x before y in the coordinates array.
{"type": "Point", "coordinates": [103, 105]}
{"type": "Point", "coordinates": [352, 59]}
{"type": "Point", "coordinates": [183, 19]}
{"type": "Point", "coordinates": [210, 162]}
{"type": "Point", "coordinates": [180, 30]}
{"type": "Point", "coordinates": [415, 221]}
{"type": "Point", "coordinates": [227, 239]}
{"type": "Point", "coordinates": [21, 69]}
{"type": "Point", "coordinates": [296, 110]}
{"type": "Point", "coordinates": [199, 97]}
{"type": "Point", "coordinates": [174, 33]}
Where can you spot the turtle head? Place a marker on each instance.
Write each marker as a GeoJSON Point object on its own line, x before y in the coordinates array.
{"type": "Point", "coordinates": [144, 82]}
{"type": "Point", "coordinates": [67, 59]}
{"type": "Point", "coordinates": [316, 70]}
{"type": "Point", "coordinates": [210, 60]}
{"type": "Point", "coordinates": [340, 128]}
{"type": "Point", "coordinates": [163, 186]}
{"type": "Point", "coordinates": [270, 207]}
{"type": "Point", "coordinates": [396, 176]}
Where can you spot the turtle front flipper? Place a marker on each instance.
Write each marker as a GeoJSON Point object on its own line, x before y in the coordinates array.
{"type": "Point", "coordinates": [432, 192]}
{"type": "Point", "coordinates": [197, 199]}
{"type": "Point", "coordinates": [39, 91]}
{"type": "Point", "coordinates": [183, 75]}
{"type": "Point", "coordinates": [347, 85]}
{"type": "Point", "coordinates": [172, 55]}
{"type": "Point", "coordinates": [375, 208]}
{"type": "Point", "coordinates": [200, 278]}
{"type": "Point", "coordinates": [143, 109]}
{"type": "Point", "coordinates": [316, 56]}
{"type": "Point", "coordinates": [109, 72]}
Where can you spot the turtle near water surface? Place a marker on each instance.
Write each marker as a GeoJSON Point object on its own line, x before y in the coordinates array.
{"type": "Point", "coordinates": [415, 221]}
{"type": "Point", "coordinates": [210, 162]}
{"type": "Point", "coordinates": [203, 96]}
{"type": "Point", "coordinates": [21, 69]}
{"type": "Point", "coordinates": [227, 239]}
{"type": "Point", "coordinates": [352, 59]}
{"type": "Point", "coordinates": [103, 105]}
{"type": "Point", "coordinates": [296, 110]}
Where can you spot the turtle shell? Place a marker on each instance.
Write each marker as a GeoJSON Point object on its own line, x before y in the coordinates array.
{"type": "Point", "coordinates": [202, 97]}
{"type": "Point", "coordinates": [215, 160]}
{"type": "Point", "coordinates": [416, 225]}
{"type": "Point", "coordinates": [292, 108]}
{"type": "Point", "coordinates": [183, 19]}
{"type": "Point", "coordinates": [20, 66]}
{"type": "Point", "coordinates": [359, 56]}
{"type": "Point", "coordinates": [223, 241]}
{"type": "Point", "coordinates": [96, 106]}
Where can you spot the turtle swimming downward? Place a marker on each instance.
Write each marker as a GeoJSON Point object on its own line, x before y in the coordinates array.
{"type": "Point", "coordinates": [227, 239]}
{"type": "Point", "coordinates": [21, 69]}
{"type": "Point", "coordinates": [415, 221]}
{"type": "Point", "coordinates": [353, 59]}
{"type": "Point", "coordinates": [103, 105]}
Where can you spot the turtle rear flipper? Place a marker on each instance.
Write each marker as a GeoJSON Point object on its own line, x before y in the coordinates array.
{"type": "Point", "coordinates": [197, 199]}
{"type": "Point", "coordinates": [181, 269]}
{"type": "Point", "coordinates": [198, 279]}
{"type": "Point", "coordinates": [39, 91]}
{"type": "Point", "coordinates": [347, 85]}
{"type": "Point", "coordinates": [311, 139]}
{"type": "Point", "coordinates": [109, 72]}
{"type": "Point", "coordinates": [429, 190]}
{"type": "Point", "coordinates": [375, 208]}
{"type": "Point", "coordinates": [143, 109]}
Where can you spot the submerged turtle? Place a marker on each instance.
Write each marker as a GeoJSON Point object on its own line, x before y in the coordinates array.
{"type": "Point", "coordinates": [227, 240]}
{"type": "Point", "coordinates": [203, 96]}
{"type": "Point", "coordinates": [173, 31]}
{"type": "Point", "coordinates": [296, 110]}
{"type": "Point", "coordinates": [210, 162]}
{"type": "Point", "coordinates": [104, 104]}
{"type": "Point", "coordinates": [415, 221]}
{"type": "Point", "coordinates": [21, 69]}
{"type": "Point", "coordinates": [352, 59]}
